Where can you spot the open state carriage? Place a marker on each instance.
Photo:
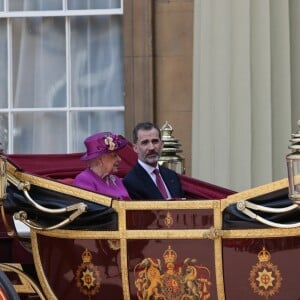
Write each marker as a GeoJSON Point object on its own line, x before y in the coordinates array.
{"type": "Point", "coordinates": [216, 244]}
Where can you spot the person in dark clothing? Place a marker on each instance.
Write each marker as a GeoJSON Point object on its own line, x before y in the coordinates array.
{"type": "Point", "coordinates": [147, 179]}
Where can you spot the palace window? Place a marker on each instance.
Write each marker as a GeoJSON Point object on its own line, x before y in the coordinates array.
{"type": "Point", "coordinates": [61, 73]}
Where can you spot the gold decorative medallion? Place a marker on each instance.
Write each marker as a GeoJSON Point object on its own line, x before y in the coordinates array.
{"type": "Point", "coordinates": [88, 278]}
{"type": "Point", "coordinates": [265, 278]}
{"type": "Point", "coordinates": [186, 281]}
{"type": "Point", "coordinates": [169, 220]}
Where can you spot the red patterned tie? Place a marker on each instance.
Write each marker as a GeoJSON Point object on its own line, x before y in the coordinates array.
{"type": "Point", "coordinates": [160, 184]}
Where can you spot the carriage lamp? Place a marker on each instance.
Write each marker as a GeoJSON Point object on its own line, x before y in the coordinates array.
{"type": "Point", "coordinates": [169, 155]}
{"type": "Point", "coordinates": [293, 167]}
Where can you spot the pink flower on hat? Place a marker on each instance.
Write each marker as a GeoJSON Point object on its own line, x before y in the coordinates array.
{"type": "Point", "coordinates": [109, 141]}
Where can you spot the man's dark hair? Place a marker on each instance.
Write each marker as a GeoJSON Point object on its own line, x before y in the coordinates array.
{"type": "Point", "coordinates": [143, 126]}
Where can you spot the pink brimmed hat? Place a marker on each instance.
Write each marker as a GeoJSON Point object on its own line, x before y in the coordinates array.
{"type": "Point", "coordinates": [102, 143]}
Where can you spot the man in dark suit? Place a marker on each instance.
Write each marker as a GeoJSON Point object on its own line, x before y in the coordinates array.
{"type": "Point", "coordinates": [148, 180]}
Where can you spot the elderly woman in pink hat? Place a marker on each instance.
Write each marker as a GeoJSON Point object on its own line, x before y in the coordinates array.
{"type": "Point", "coordinates": [103, 160]}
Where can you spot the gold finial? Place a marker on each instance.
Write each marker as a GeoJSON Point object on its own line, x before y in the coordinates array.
{"type": "Point", "coordinates": [295, 140]}
{"type": "Point", "coordinates": [169, 154]}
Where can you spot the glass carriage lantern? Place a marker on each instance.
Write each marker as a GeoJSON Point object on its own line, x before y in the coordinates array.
{"type": "Point", "coordinates": [293, 167]}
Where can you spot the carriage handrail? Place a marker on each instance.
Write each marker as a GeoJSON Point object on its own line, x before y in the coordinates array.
{"type": "Point", "coordinates": [77, 208]}
{"type": "Point", "coordinates": [246, 206]}
{"type": "Point", "coordinates": [22, 216]}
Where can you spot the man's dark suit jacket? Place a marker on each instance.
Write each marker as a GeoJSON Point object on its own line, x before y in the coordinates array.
{"type": "Point", "coordinates": [140, 186]}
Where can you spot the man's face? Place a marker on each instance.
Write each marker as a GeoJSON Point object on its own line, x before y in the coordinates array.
{"type": "Point", "coordinates": [148, 146]}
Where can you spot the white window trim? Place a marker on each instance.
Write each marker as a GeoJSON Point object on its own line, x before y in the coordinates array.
{"type": "Point", "coordinates": [67, 13]}
{"type": "Point", "coordinates": [64, 12]}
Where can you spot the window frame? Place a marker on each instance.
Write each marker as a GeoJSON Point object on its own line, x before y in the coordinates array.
{"type": "Point", "coordinates": [68, 109]}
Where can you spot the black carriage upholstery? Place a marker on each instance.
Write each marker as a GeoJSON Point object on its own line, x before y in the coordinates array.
{"type": "Point", "coordinates": [96, 216]}
{"type": "Point", "coordinates": [235, 219]}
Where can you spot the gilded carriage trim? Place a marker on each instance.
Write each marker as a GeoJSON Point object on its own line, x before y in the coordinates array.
{"type": "Point", "coordinates": [167, 234]}
{"type": "Point", "coordinates": [218, 249]}
{"type": "Point", "coordinates": [87, 275]}
{"type": "Point", "coordinates": [123, 251]}
{"type": "Point", "coordinates": [264, 277]}
{"type": "Point", "coordinates": [255, 192]}
{"type": "Point", "coordinates": [172, 279]}
{"type": "Point", "coordinates": [124, 269]}
{"type": "Point", "coordinates": [60, 187]}
{"type": "Point", "coordinates": [258, 233]}
{"type": "Point", "coordinates": [219, 268]}
{"type": "Point", "coordinates": [39, 268]}
{"type": "Point", "coordinates": [80, 234]}
{"type": "Point", "coordinates": [165, 205]}
{"type": "Point", "coordinates": [216, 231]}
